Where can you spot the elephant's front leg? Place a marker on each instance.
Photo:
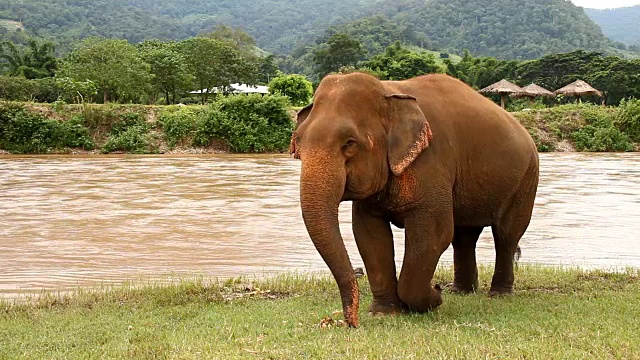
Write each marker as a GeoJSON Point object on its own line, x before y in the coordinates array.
{"type": "Point", "coordinates": [428, 233]}
{"type": "Point", "coordinates": [375, 243]}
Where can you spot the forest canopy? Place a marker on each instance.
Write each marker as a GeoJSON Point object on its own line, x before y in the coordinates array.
{"type": "Point", "coordinates": [509, 29]}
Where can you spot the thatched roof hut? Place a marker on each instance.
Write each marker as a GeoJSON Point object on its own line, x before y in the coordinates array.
{"type": "Point", "coordinates": [502, 88]}
{"type": "Point", "coordinates": [578, 88]}
{"type": "Point", "coordinates": [532, 91]}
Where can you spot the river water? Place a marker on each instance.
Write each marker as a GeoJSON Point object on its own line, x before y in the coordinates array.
{"type": "Point", "coordinates": [70, 221]}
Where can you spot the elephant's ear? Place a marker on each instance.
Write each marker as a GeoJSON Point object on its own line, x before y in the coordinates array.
{"type": "Point", "coordinates": [300, 118]}
{"type": "Point", "coordinates": [409, 132]}
{"type": "Point", "coordinates": [303, 114]}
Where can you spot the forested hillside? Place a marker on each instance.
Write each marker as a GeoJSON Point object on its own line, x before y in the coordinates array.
{"type": "Point", "coordinates": [501, 28]}
{"type": "Point", "coordinates": [276, 24]}
{"type": "Point", "coordinates": [507, 28]}
{"type": "Point", "coordinates": [621, 24]}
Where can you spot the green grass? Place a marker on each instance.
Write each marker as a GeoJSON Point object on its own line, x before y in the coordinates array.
{"type": "Point", "coordinates": [555, 314]}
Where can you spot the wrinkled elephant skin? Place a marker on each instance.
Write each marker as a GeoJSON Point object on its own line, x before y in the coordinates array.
{"type": "Point", "coordinates": [427, 154]}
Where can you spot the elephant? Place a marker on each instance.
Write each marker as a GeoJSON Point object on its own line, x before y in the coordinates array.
{"type": "Point", "coordinates": [428, 154]}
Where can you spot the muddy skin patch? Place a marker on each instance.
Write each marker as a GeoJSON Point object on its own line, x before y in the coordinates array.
{"type": "Point", "coordinates": [422, 143]}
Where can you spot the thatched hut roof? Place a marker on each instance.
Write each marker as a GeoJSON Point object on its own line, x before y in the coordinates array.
{"type": "Point", "coordinates": [502, 87]}
{"type": "Point", "coordinates": [578, 88]}
{"type": "Point", "coordinates": [533, 90]}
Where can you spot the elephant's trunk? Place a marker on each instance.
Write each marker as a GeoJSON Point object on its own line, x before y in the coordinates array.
{"type": "Point", "coordinates": [321, 189]}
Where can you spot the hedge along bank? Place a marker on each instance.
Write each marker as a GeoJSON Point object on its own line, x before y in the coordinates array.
{"type": "Point", "coordinates": [256, 124]}
{"type": "Point", "coordinates": [241, 123]}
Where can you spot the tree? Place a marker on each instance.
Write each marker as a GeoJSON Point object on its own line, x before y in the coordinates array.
{"type": "Point", "coordinates": [399, 63]}
{"type": "Point", "coordinates": [115, 66]}
{"type": "Point", "coordinates": [339, 51]}
{"type": "Point", "coordinates": [295, 87]}
{"type": "Point", "coordinates": [169, 68]}
{"type": "Point", "coordinates": [35, 62]}
{"type": "Point", "coordinates": [268, 69]}
{"type": "Point", "coordinates": [237, 37]}
{"type": "Point", "coordinates": [215, 64]}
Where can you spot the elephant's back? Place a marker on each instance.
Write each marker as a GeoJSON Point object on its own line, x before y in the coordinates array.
{"type": "Point", "coordinates": [463, 116]}
{"type": "Point", "coordinates": [486, 151]}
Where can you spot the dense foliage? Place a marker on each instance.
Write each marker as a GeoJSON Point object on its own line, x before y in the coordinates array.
{"type": "Point", "coordinates": [622, 24]}
{"type": "Point", "coordinates": [295, 87]}
{"type": "Point", "coordinates": [399, 63]}
{"type": "Point", "coordinates": [240, 123]}
{"type": "Point", "coordinates": [617, 78]}
{"type": "Point", "coordinates": [587, 127]}
{"type": "Point", "coordinates": [236, 123]}
{"type": "Point", "coordinates": [509, 29]}
{"type": "Point", "coordinates": [499, 28]}
{"type": "Point", "coordinates": [276, 25]}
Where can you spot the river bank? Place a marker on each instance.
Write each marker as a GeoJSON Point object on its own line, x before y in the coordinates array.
{"type": "Point", "coordinates": [555, 313]}
{"type": "Point", "coordinates": [261, 125]}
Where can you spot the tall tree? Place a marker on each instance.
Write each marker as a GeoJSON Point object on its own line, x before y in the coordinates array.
{"type": "Point", "coordinates": [339, 51]}
{"type": "Point", "coordinates": [237, 37]}
{"type": "Point", "coordinates": [268, 69]}
{"type": "Point", "coordinates": [115, 66]}
{"type": "Point", "coordinates": [295, 87]}
{"type": "Point", "coordinates": [216, 64]}
{"type": "Point", "coordinates": [169, 68]}
{"type": "Point", "coordinates": [35, 62]}
{"type": "Point", "coordinates": [399, 63]}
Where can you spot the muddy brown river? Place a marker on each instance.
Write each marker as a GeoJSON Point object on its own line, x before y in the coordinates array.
{"type": "Point", "coordinates": [69, 221]}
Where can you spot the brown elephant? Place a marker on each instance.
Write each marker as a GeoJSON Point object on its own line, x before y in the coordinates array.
{"type": "Point", "coordinates": [427, 154]}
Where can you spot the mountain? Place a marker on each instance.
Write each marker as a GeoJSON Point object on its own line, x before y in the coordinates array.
{"type": "Point", "coordinates": [622, 24]}
{"type": "Point", "coordinates": [511, 29]}
{"type": "Point", "coordinates": [501, 28]}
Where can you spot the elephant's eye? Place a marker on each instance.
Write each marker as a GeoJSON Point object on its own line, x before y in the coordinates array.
{"type": "Point", "coordinates": [350, 148]}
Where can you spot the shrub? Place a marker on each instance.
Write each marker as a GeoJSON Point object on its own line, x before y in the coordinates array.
{"type": "Point", "coordinates": [255, 123]}
{"type": "Point", "coordinates": [178, 126]}
{"type": "Point", "coordinates": [601, 139]}
{"type": "Point", "coordinates": [134, 139]}
{"type": "Point", "coordinates": [22, 131]}
{"type": "Point", "coordinates": [124, 121]}
{"type": "Point", "coordinates": [17, 89]}
{"type": "Point", "coordinates": [295, 87]}
{"type": "Point", "coordinates": [628, 118]}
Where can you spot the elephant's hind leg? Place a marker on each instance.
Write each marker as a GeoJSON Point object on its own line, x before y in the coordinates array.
{"type": "Point", "coordinates": [464, 259]}
{"type": "Point", "coordinates": [506, 235]}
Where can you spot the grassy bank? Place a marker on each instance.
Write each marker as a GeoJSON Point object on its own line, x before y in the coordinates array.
{"type": "Point", "coordinates": [254, 124]}
{"type": "Point", "coordinates": [555, 314]}
{"type": "Point", "coordinates": [232, 124]}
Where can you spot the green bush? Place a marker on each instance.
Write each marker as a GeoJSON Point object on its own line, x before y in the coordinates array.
{"type": "Point", "coordinates": [601, 139]}
{"type": "Point", "coordinates": [599, 134]}
{"type": "Point", "coordinates": [134, 139]}
{"type": "Point", "coordinates": [178, 125]}
{"type": "Point", "coordinates": [17, 89]}
{"type": "Point", "coordinates": [124, 121]}
{"type": "Point", "coordinates": [246, 123]}
{"type": "Point", "coordinates": [295, 87]}
{"type": "Point", "coordinates": [628, 118]}
{"type": "Point", "coordinates": [22, 131]}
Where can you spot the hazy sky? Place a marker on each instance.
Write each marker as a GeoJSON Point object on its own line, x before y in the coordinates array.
{"type": "Point", "coordinates": [606, 4]}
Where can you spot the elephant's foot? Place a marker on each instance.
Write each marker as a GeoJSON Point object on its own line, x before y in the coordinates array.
{"type": "Point", "coordinates": [500, 291]}
{"type": "Point", "coordinates": [459, 288]}
{"type": "Point", "coordinates": [387, 308]}
{"type": "Point", "coordinates": [423, 303]}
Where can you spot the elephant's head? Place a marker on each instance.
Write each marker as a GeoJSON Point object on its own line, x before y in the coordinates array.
{"type": "Point", "coordinates": [351, 140]}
